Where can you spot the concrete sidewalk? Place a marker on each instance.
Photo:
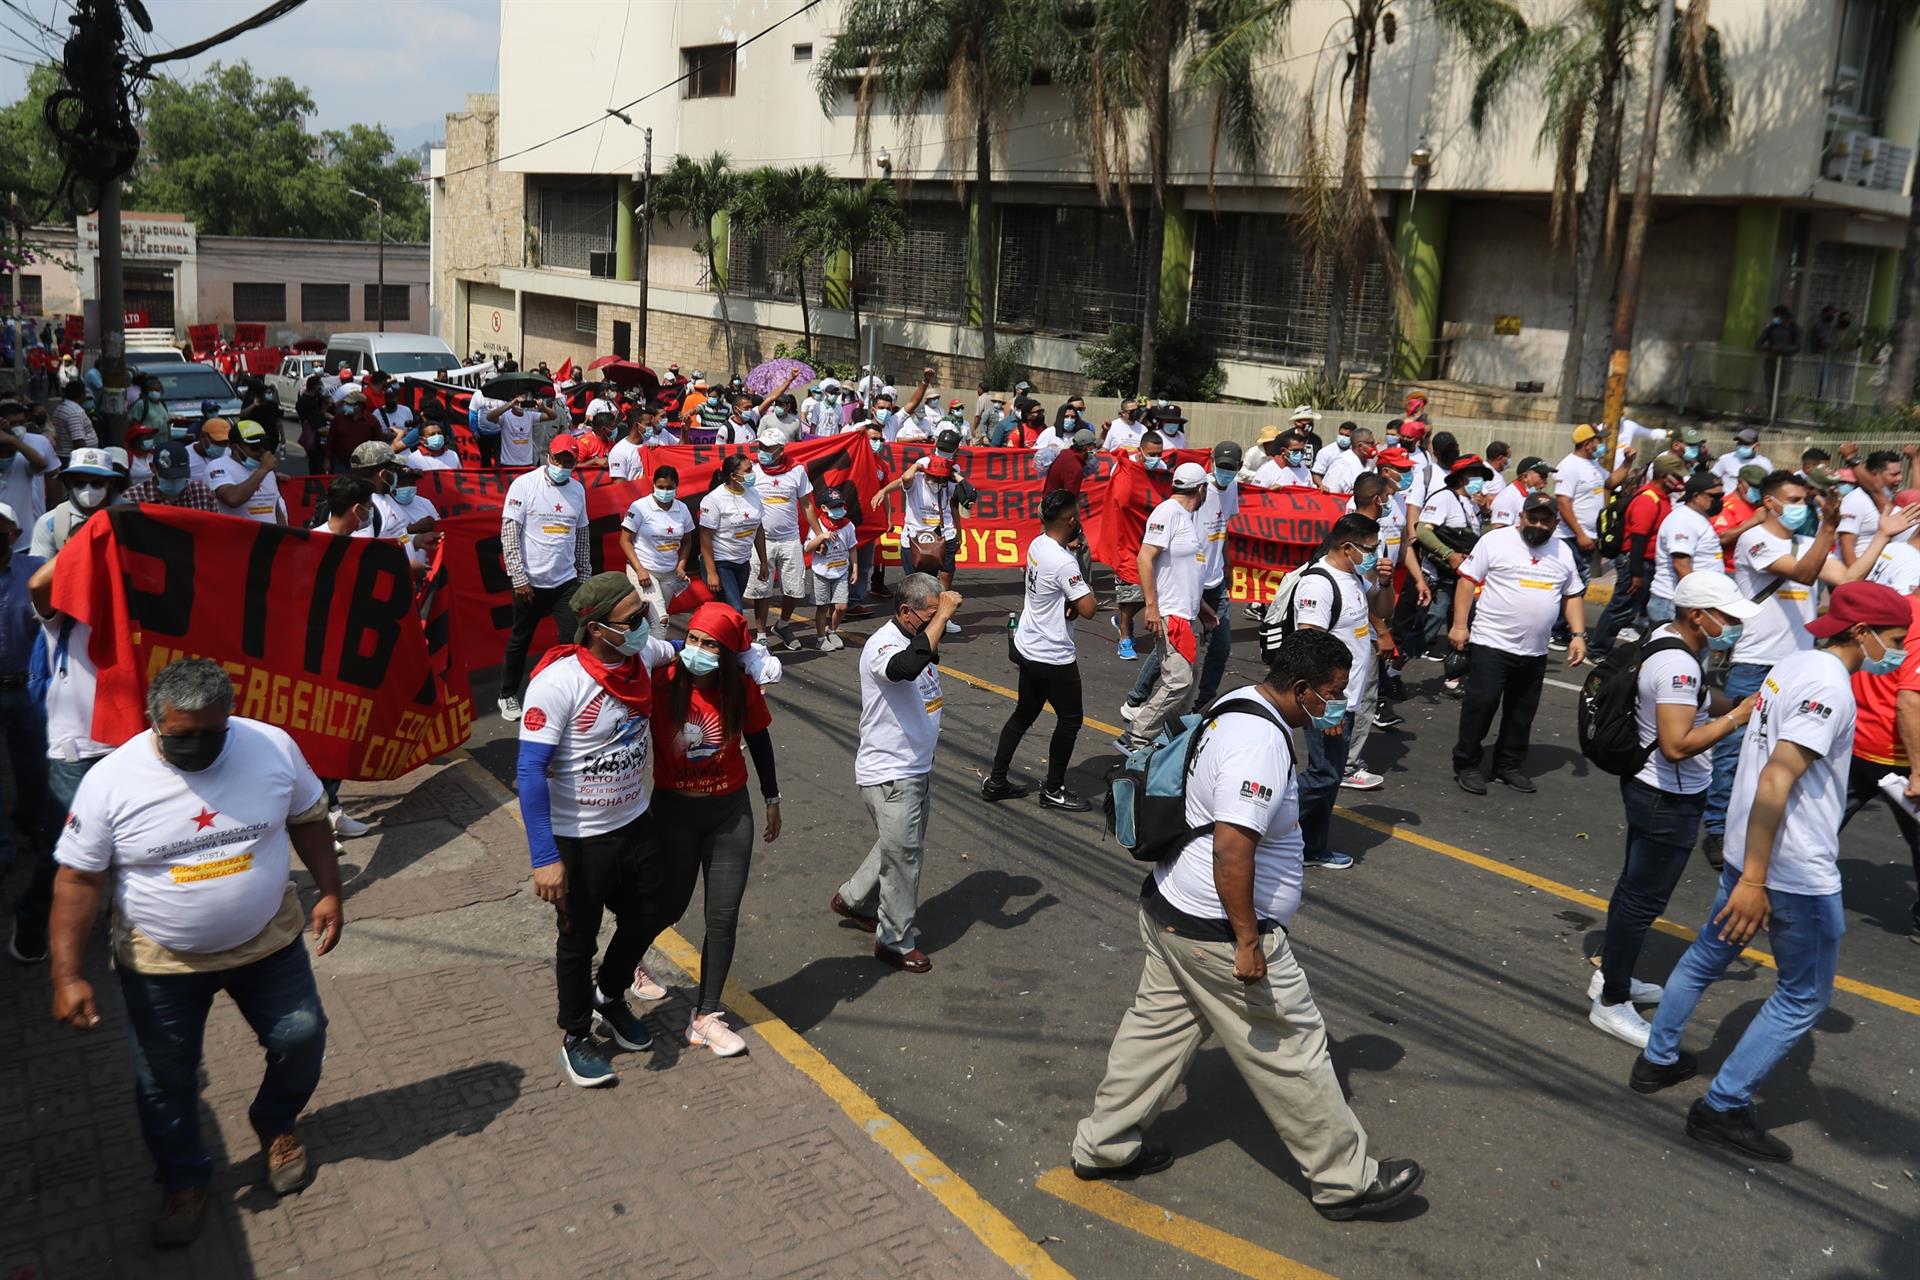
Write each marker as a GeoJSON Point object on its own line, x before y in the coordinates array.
{"type": "Point", "coordinates": [445, 1140]}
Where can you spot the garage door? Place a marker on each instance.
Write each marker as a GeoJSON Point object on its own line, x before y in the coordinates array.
{"type": "Point", "coordinates": [492, 326]}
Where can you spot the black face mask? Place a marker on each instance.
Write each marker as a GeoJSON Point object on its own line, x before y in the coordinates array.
{"type": "Point", "coordinates": [1714, 507]}
{"type": "Point", "coordinates": [193, 752]}
{"type": "Point", "coordinates": [1535, 535]}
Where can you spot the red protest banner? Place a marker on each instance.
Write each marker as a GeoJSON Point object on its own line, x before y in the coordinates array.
{"type": "Point", "coordinates": [1275, 532]}
{"type": "Point", "coordinates": [324, 638]}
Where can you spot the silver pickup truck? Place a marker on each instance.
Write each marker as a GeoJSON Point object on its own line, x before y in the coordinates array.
{"type": "Point", "coordinates": [290, 379]}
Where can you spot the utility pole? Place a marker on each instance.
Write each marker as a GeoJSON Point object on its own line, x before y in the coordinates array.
{"type": "Point", "coordinates": [112, 360]}
{"type": "Point", "coordinates": [19, 312]}
{"type": "Point", "coordinates": [646, 241]}
{"type": "Point", "coordinates": [380, 234]}
{"type": "Point", "coordinates": [1621, 360]}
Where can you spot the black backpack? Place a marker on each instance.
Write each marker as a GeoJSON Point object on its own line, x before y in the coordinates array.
{"type": "Point", "coordinates": [1609, 730]}
{"type": "Point", "coordinates": [1275, 621]}
{"type": "Point", "coordinates": [1610, 529]}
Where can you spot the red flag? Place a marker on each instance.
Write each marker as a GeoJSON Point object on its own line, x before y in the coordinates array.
{"type": "Point", "coordinates": [565, 372]}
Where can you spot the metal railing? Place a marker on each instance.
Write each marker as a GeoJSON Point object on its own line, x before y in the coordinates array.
{"type": "Point", "coordinates": [1716, 378]}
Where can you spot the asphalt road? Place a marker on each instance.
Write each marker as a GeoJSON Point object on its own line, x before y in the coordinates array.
{"type": "Point", "coordinates": [1455, 997]}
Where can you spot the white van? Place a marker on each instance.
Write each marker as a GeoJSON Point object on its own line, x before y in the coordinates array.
{"type": "Point", "coordinates": [396, 353]}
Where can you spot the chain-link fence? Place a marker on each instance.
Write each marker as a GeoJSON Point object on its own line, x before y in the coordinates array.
{"type": "Point", "coordinates": [1716, 378]}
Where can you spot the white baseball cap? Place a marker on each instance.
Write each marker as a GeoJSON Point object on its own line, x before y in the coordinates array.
{"type": "Point", "coordinates": [1191, 475]}
{"type": "Point", "coordinates": [772, 437]}
{"type": "Point", "coordinates": [1708, 589]}
{"type": "Point", "coordinates": [89, 462]}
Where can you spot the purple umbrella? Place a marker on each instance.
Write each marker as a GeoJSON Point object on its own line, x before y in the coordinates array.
{"type": "Point", "coordinates": [765, 377]}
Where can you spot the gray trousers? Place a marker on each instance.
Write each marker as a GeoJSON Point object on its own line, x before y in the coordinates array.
{"type": "Point", "coordinates": [1363, 719]}
{"type": "Point", "coordinates": [1172, 691]}
{"type": "Point", "coordinates": [890, 875]}
{"type": "Point", "coordinates": [1271, 1030]}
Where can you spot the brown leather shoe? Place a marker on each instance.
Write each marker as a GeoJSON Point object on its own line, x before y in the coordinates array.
{"type": "Point", "coordinates": [287, 1169]}
{"type": "Point", "coordinates": [914, 961]}
{"type": "Point", "coordinates": [182, 1213]}
{"type": "Point", "coordinates": [840, 908]}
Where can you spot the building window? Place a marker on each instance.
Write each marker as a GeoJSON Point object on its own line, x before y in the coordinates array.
{"type": "Point", "coordinates": [803, 53]}
{"type": "Point", "coordinates": [575, 220]}
{"type": "Point", "coordinates": [709, 71]}
{"type": "Point", "coordinates": [756, 266]}
{"type": "Point", "coordinates": [926, 275]}
{"type": "Point", "coordinates": [259, 302]}
{"type": "Point", "coordinates": [397, 295]}
{"type": "Point", "coordinates": [1071, 270]}
{"type": "Point", "coordinates": [30, 295]}
{"type": "Point", "coordinates": [326, 302]}
{"type": "Point", "coordinates": [586, 318]}
{"type": "Point", "coordinates": [1255, 295]}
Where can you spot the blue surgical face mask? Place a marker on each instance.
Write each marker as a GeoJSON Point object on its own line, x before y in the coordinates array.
{"type": "Point", "coordinates": [749, 480]}
{"type": "Point", "coordinates": [769, 456]}
{"type": "Point", "coordinates": [1846, 487]}
{"type": "Point", "coordinates": [178, 432]}
{"type": "Point", "coordinates": [636, 637]}
{"type": "Point", "coordinates": [1753, 494]}
{"type": "Point", "coordinates": [1691, 453]}
{"type": "Point", "coordinates": [1744, 451]}
{"type": "Point", "coordinates": [1406, 481]}
{"type": "Point", "coordinates": [1344, 443]}
{"type": "Point", "coordinates": [1154, 464]}
{"type": "Point", "coordinates": [1367, 563]}
{"type": "Point", "coordinates": [1887, 663]}
{"type": "Point", "coordinates": [1224, 476]}
{"type": "Point", "coordinates": [171, 488]}
{"type": "Point", "coordinates": [878, 445]}
{"type": "Point", "coordinates": [1475, 487]}
{"type": "Point", "coordinates": [699, 662]}
{"type": "Point", "coordinates": [250, 463]}
{"type": "Point", "coordinates": [559, 474]}
{"type": "Point", "coordinates": [1728, 637]}
{"type": "Point", "coordinates": [436, 442]}
{"type": "Point", "coordinates": [154, 396]}
{"type": "Point", "coordinates": [1296, 458]}
{"type": "Point", "coordinates": [1332, 716]}
{"type": "Point", "coordinates": [836, 513]}
{"type": "Point", "coordinates": [1793, 515]}
{"type": "Point", "coordinates": [665, 497]}
{"type": "Point", "coordinates": [213, 451]}
{"type": "Point", "coordinates": [403, 494]}
{"type": "Point", "coordinates": [1392, 438]}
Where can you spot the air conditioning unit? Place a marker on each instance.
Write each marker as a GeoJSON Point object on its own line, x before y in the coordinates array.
{"type": "Point", "coordinates": [600, 265]}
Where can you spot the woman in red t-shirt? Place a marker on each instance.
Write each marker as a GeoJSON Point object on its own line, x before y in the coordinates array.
{"type": "Point", "coordinates": [705, 709]}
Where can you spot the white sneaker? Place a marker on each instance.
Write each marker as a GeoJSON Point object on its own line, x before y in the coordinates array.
{"type": "Point", "coordinates": [509, 708]}
{"type": "Point", "coordinates": [1642, 993]}
{"type": "Point", "coordinates": [345, 825]}
{"type": "Point", "coordinates": [645, 985]}
{"type": "Point", "coordinates": [1622, 1022]}
{"type": "Point", "coordinates": [824, 644]}
{"type": "Point", "coordinates": [1128, 711]}
{"type": "Point", "coordinates": [1361, 780]}
{"type": "Point", "coordinates": [953, 628]}
{"type": "Point", "coordinates": [1628, 635]}
{"type": "Point", "coordinates": [711, 1030]}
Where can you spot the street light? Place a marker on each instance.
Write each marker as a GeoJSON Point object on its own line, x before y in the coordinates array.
{"type": "Point", "coordinates": [380, 233]}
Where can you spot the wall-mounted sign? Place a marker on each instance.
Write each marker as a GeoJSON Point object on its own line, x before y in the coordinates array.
{"type": "Point", "coordinates": [1506, 326]}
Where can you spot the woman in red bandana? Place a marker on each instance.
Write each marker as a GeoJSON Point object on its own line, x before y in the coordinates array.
{"type": "Point", "coordinates": [706, 707]}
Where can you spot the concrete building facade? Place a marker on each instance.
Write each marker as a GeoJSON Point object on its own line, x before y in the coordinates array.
{"type": "Point", "coordinates": [536, 235]}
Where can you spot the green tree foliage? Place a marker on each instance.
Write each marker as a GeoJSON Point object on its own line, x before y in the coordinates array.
{"type": "Point", "coordinates": [698, 192]}
{"type": "Point", "coordinates": [231, 152]}
{"type": "Point", "coordinates": [1186, 366]}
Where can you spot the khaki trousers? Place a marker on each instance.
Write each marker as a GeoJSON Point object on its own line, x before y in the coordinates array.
{"type": "Point", "coordinates": [1273, 1033]}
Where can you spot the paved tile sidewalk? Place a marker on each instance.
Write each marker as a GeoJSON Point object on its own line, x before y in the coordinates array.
{"type": "Point", "coordinates": [445, 1140]}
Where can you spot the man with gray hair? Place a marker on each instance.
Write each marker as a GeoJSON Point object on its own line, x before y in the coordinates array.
{"type": "Point", "coordinates": [191, 825]}
{"type": "Point", "coordinates": [899, 729]}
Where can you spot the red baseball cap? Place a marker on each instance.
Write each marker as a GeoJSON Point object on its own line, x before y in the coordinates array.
{"type": "Point", "coordinates": [1854, 603]}
{"type": "Point", "coordinates": [564, 444]}
{"type": "Point", "coordinates": [939, 468]}
{"type": "Point", "coordinates": [1394, 456]}
{"type": "Point", "coordinates": [1413, 430]}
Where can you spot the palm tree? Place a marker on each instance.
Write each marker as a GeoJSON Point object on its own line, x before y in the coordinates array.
{"type": "Point", "coordinates": [1582, 67]}
{"type": "Point", "coordinates": [1120, 68]}
{"type": "Point", "coordinates": [977, 57]}
{"type": "Point", "coordinates": [700, 191]}
{"type": "Point", "coordinates": [853, 218]}
{"type": "Point", "coordinates": [791, 201]}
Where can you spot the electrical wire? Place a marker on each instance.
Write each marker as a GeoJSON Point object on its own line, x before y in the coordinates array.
{"type": "Point", "coordinates": [272, 13]}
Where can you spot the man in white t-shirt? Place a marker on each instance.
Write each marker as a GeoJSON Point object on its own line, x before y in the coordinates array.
{"type": "Point", "coordinates": [547, 552]}
{"type": "Point", "coordinates": [1352, 457]}
{"type": "Point", "coordinates": [1286, 464]}
{"type": "Point", "coordinates": [900, 699]}
{"type": "Point", "coordinates": [1530, 477]}
{"type": "Point", "coordinates": [1580, 489]}
{"type": "Point", "coordinates": [1217, 510]}
{"type": "Point", "coordinates": [1335, 594]}
{"type": "Point", "coordinates": [1342, 442]}
{"type": "Point", "coordinates": [1859, 511]}
{"type": "Point", "coordinates": [1043, 649]}
{"type": "Point", "coordinates": [787, 519]}
{"type": "Point", "coordinates": [191, 827]}
{"type": "Point", "coordinates": [1779, 564]}
{"type": "Point", "coordinates": [515, 419]}
{"type": "Point", "coordinates": [435, 451]}
{"type": "Point", "coordinates": [1213, 922]}
{"type": "Point", "coordinates": [244, 480]}
{"type": "Point", "coordinates": [1745, 453]}
{"type": "Point", "coordinates": [585, 774]}
{"type": "Point", "coordinates": [1125, 430]}
{"type": "Point", "coordinates": [1678, 720]}
{"type": "Point", "coordinates": [1782, 869]}
{"type": "Point", "coordinates": [1171, 562]}
{"type": "Point", "coordinates": [1527, 580]}
{"type": "Point", "coordinates": [1687, 541]}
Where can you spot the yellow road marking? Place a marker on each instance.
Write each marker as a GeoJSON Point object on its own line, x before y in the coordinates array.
{"type": "Point", "coordinates": [1865, 990]}
{"type": "Point", "coordinates": [1150, 1220]}
{"type": "Point", "coordinates": [994, 1228]}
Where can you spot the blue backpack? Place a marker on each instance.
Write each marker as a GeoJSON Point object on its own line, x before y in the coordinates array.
{"type": "Point", "coordinates": [1146, 803]}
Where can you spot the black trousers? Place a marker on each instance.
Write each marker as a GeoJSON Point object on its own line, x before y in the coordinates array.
{"type": "Point", "coordinates": [489, 446]}
{"type": "Point", "coordinates": [1510, 683]}
{"type": "Point", "coordinates": [1863, 786]}
{"type": "Point", "coordinates": [1042, 683]}
{"type": "Point", "coordinates": [1661, 830]}
{"type": "Point", "coordinates": [710, 836]}
{"type": "Point", "coordinates": [621, 872]}
{"type": "Point", "coordinates": [527, 615]}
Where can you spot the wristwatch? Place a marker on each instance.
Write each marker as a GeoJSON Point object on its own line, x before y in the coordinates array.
{"type": "Point", "coordinates": [770, 800]}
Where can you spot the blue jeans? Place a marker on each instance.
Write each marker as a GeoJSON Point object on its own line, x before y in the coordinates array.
{"type": "Point", "coordinates": [1583, 562]}
{"type": "Point", "coordinates": [1743, 678]}
{"type": "Point", "coordinates": [860, 585]}
{"type": "Point", "coordinates": [1659, 609]}
{"type": "Point", "coordinates": [1661, 829]}
{"type": "Point", "coordinates": [1326, 764]}
{"type": "Point", "coordinates": [167, 1014]}
{"type": "Point", "coordinates": [1216, 646]}
{"type": "Point", "coordinates": [36, 902]}
{"type": "Point", "coordinates": [1625, 607]}
{"type": "Point", "coordinates": [1805, 931]}
{"type": "Point", "coordinates": [25, 727]}
{"type": "Point", "coordinates": [733, 582]}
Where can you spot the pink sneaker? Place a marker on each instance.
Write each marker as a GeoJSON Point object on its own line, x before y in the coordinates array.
{"type": "Point", "coordinates": [645, 985]}
{"type": "Point", "coordinates": [711, 1030]}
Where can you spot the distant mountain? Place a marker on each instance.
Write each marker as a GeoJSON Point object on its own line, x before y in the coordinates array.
{"type": "Point", "coordinates": [419, 138]}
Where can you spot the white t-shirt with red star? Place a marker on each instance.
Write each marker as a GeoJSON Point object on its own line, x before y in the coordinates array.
{"type": "Point", "coordinates": [600, 778]}
{"type": "Point", "coordinates": [199, 861]}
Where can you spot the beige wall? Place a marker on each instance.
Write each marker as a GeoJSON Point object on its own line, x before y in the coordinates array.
{"type": "Point", "coordinates": [227, 260]}
{"type": "Point", "coordinates": [480, 218]}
